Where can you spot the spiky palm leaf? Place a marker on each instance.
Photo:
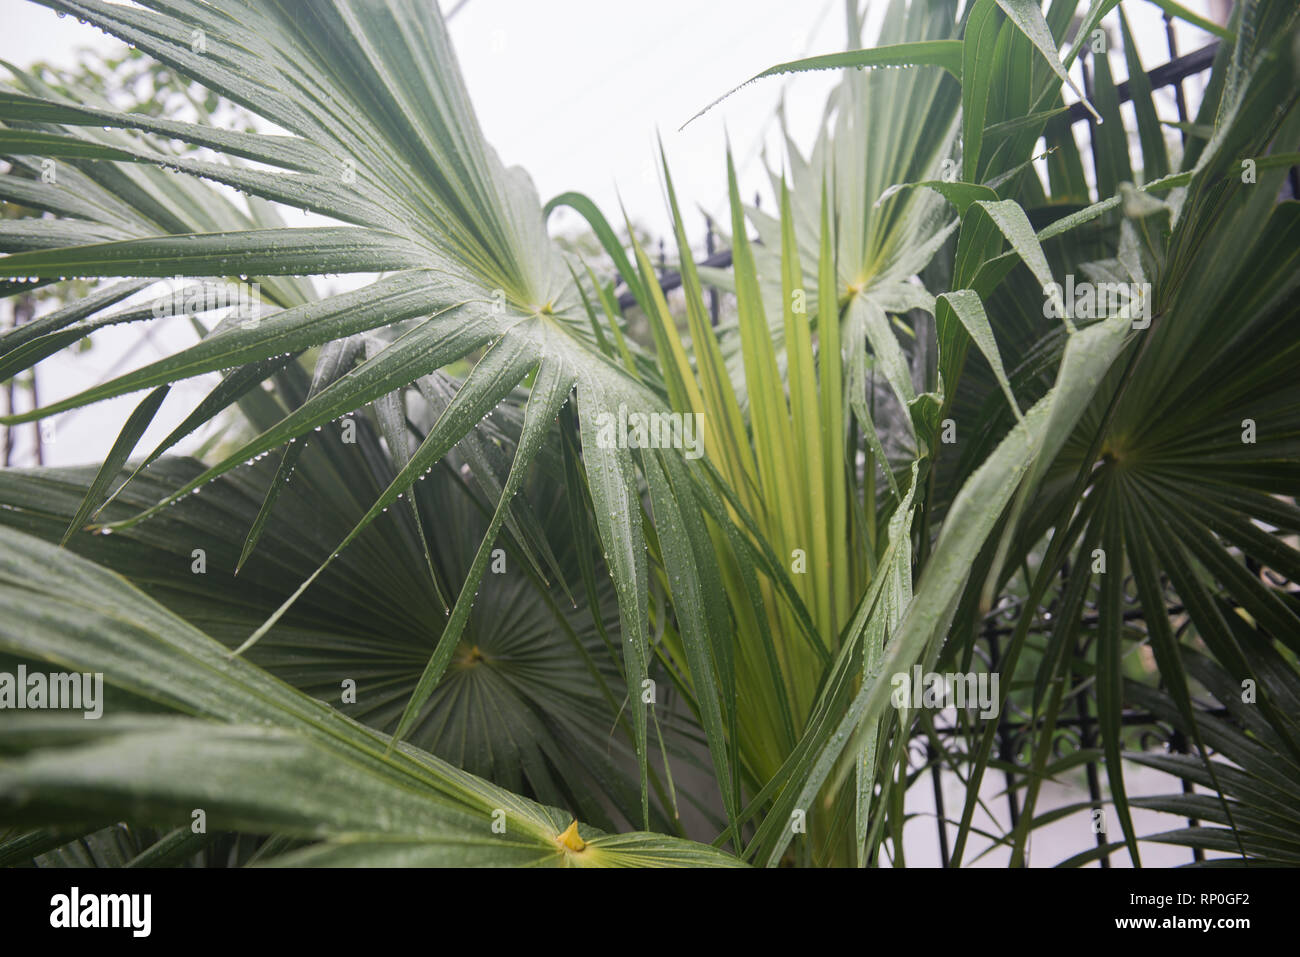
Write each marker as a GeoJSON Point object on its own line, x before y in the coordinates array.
{"type": "Point", "coordinates": [400, 157]}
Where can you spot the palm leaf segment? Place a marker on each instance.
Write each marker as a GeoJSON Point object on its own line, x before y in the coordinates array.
{"type": "Point", "coordinates": [397, 154]}
{"type": "Point", "coordinates": [251, 753]}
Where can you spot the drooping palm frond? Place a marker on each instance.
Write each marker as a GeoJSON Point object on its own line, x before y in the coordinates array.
{"type": "Point", "coordinates": [532, 698]}
{"type": "Point", "coordinates": [253, 754]}
{"type": "Point", "coordinates": [1247, 800]}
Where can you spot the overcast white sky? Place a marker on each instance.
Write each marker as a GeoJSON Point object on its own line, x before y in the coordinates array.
{"type": "Point", "coordinates": [574, 91]}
